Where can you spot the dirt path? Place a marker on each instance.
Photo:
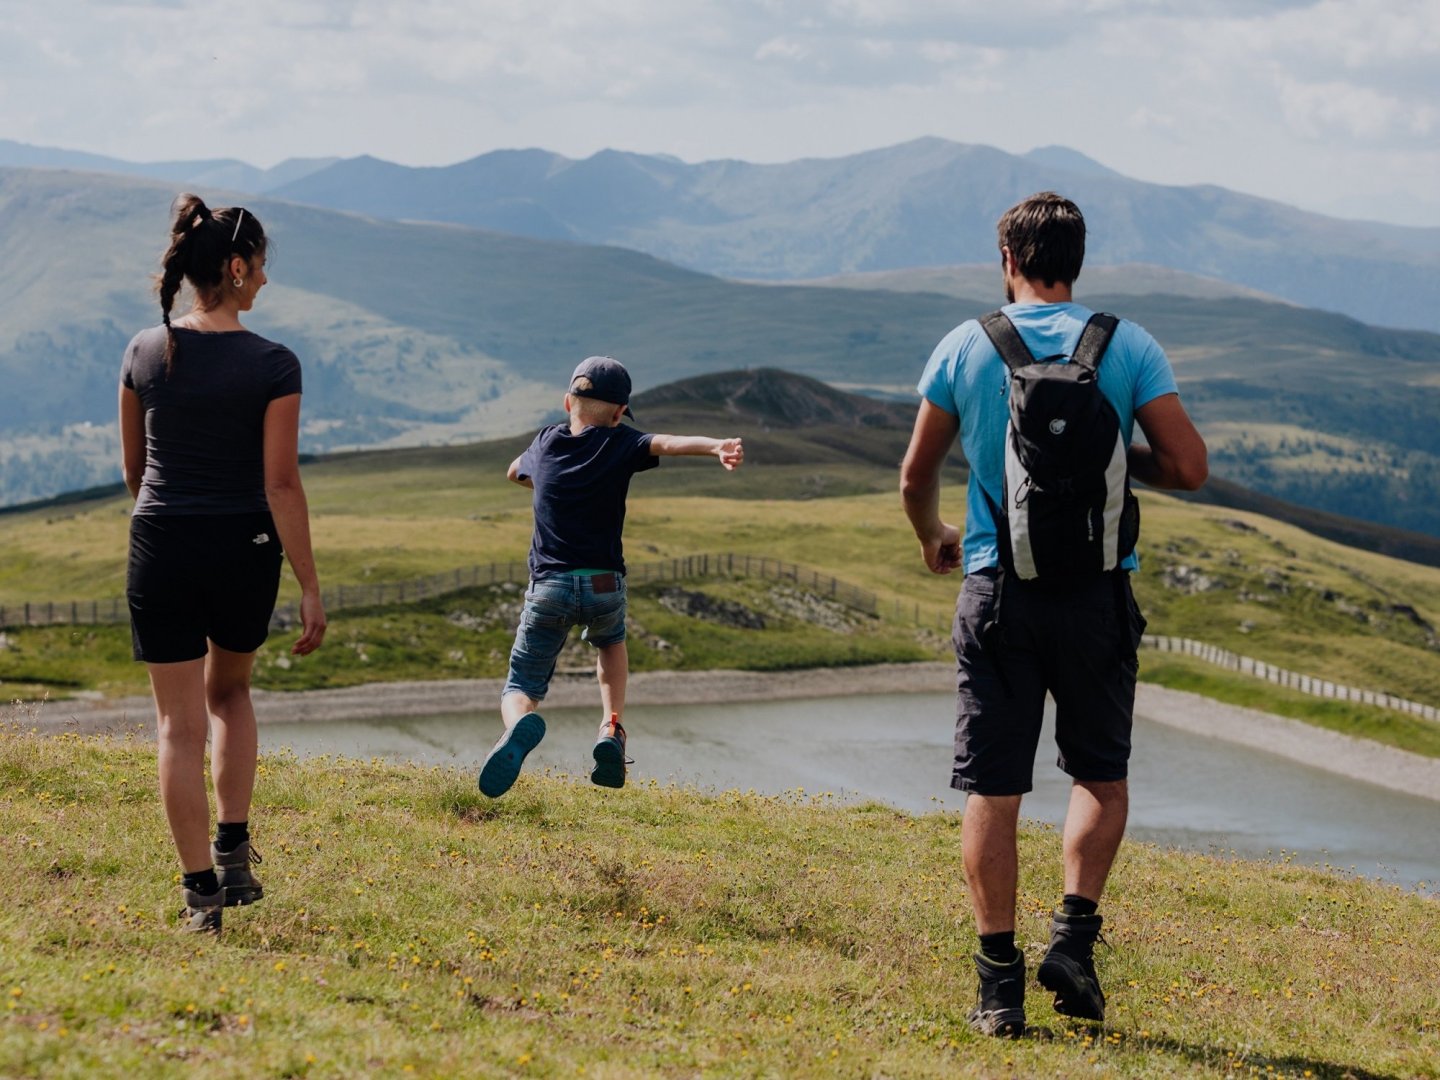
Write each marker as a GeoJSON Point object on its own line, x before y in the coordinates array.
{"type": "Point", "coordinates": [1341, 754]}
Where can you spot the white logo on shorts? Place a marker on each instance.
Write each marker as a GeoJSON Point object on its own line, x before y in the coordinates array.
{"type": "Point", "coordinates": [1057, 426]}
{"type": "Point", "coordinates": [263, 538]}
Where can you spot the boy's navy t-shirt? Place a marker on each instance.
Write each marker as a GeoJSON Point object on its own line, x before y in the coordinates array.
{"type": "Point", "coordinates": [581, 482]}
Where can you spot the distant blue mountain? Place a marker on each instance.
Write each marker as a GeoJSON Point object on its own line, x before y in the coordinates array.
{"type": "Point", "coordinates": [224, 173]}
{"type": "Point", "coordinates": [1062, 157]}
{"type": "Point", "coordinates": [924, 203]}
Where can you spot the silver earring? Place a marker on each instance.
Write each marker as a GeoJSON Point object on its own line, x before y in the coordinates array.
{"type": "Point", "coordinates": [239, 284]}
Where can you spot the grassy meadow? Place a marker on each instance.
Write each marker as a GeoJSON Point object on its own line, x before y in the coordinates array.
{"type": "Point", "coordinates": [412, 927]}
{"type": "Point", "coordinates": [1245, 582]}
{"type": "Point", "coordinates": [1232, 578]}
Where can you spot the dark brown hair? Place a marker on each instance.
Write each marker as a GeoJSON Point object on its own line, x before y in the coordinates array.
{"type": "Point", "coordinates": [201, 243]}
{"type": "Point", "coordinates": [1046, 235]}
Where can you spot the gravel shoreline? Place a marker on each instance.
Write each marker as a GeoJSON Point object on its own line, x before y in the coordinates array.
{"type": "Point", "coordinates": [1344, 755]}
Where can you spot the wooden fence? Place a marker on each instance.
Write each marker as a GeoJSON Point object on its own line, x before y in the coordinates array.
{"type": "Point", "coordinates": [1293, 680]}
{"type": "Point", "coordinates": [381, 593]}
{"type": "Point", "coordinates": [688, 568]}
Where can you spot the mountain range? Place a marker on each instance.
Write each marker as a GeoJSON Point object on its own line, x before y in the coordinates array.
{"type": "Point", "coordinates": [433, 333]}
{"type": "Point", "coordinates": [929, 202]}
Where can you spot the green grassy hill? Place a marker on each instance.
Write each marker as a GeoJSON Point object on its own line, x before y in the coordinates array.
{"type": "Point", "coordinates": [980, 282]}
{"type": "Point", "coordinates": [411, 927]}
{"type": "Point", "coordinates": [821, 495]}
{"type": "Point", "coordinates": [424, 334]}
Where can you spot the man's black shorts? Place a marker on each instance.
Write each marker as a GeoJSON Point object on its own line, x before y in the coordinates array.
{"type": "Point", "coordinates": [1078, 642]}
{"type": "Point", "coordinates": [193, 577]}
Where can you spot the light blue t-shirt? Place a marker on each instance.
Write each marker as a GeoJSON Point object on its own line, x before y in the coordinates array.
{"type": "Point", "coordinates": [966, 377]}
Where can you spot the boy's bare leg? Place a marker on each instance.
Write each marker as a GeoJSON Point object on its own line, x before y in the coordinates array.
{"type": "Point", "coordinates": [503, 763]}
{"type": "Point", "coordinates": [612, 669]}
{"type": "Point", "coordinates": [514, 705]}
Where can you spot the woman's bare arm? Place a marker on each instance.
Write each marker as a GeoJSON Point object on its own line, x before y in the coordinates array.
{"type": "Point", "coordinates": [291, 512]}
{"type": "Point", "coordinates": [132, 440]}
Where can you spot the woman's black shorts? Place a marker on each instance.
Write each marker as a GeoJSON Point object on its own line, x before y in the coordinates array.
{"type": "Point", "coordinates": [193, 577]}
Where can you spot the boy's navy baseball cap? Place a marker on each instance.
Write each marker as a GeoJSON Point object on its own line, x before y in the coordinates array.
{"type": "Point", "coordinates": [609, 381]}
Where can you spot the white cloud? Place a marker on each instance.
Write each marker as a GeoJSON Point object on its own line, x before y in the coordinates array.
{"type": "Point", "coordinates": [1322, 110]}
{"type": "Point", "coordinates": [1305, 100]}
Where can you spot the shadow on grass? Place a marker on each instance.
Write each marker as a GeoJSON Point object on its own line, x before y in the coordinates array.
{"type": "Point", "coordinates": [1213, 1056]}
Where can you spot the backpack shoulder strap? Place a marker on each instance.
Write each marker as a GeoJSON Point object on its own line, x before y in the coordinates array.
{"type": "Point", "coordinates": [1094, 340]}
{"type": "Point", "coordinates": [1006, 339]}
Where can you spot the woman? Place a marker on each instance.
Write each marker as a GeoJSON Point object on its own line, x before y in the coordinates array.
{"type": "Point", "coordinates": [209, 421]}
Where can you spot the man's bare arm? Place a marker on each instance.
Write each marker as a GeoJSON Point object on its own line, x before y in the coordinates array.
{"type": "Point", "coordinates": [1176, 458]}
{"type": "Point", "coordinates": [930, 443]}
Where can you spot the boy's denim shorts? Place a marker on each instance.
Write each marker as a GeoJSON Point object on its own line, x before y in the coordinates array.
{"type": "Point", "coordinates": [553, 604]}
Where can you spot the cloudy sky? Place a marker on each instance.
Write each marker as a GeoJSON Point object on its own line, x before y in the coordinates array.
{"type": "Point", "coordinates": [1332, 105]}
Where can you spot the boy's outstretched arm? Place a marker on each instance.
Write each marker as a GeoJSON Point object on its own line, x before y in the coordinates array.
{"type": "Point", "coordinates": [731, 452]}
{"type": "Point", "coordinates": [513, 475]}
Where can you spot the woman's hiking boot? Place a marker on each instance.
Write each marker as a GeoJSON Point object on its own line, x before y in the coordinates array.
{"type": "Point", "coordinates": [202, 913]}
{"type": "Point", "coordinates": [237, 881]}
{"type": "Point", "coordinates": [609, 753]}
{"type": "Point", "coordinates": [502, 765]}
{"type": "Point", "coordinates": [1068, 970]}
{"type": "Point", "coordinates": [1000, 1010]}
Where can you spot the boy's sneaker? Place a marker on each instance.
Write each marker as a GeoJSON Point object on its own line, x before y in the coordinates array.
{"type": "Point", "coordinates": [1000, 1010]}
{"type": "Point", "coordinates": [502, 765]}
{"type": "Point", "coordinates": [610, 760]}
{"type": "Point", "coordinates": [202, 913]}
{"type": "Point", "coordinates": [237, 881]}
{"type": "Point", "coordinates": [1068, 970]}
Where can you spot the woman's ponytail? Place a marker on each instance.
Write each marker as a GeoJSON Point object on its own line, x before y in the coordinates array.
{"type": "Point", "coordinates": [201, 243]}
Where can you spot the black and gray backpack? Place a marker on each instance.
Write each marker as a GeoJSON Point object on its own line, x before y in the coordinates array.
{"type": "Point", "coordinates": [1067, 509]}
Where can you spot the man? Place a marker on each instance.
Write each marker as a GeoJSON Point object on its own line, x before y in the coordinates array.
{"type": "Point", "coordinates": [1076, 640]}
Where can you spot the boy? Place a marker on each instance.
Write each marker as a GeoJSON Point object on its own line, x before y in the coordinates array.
{"type": "Point", "coordinates": [580, 472]}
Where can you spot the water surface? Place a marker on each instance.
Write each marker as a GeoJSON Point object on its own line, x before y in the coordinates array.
{"type": "Point", "coordinates": [1186, 790]}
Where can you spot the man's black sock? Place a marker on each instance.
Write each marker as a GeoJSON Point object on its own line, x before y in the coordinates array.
{"type": "Point", "coordinates": [231, 834]}
{"type": "Point", "coordinates": [203, 882]}
{"type": "Point", "coordinates": [1078, 905]}
{"type": "Point", "coordinates": [999, 948]}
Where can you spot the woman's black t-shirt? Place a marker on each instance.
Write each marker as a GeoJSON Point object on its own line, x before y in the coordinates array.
{"type": "Point", "coordinates": [205, 421]}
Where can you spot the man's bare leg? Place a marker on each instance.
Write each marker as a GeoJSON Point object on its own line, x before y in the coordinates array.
{"type": "Point", "coordinates": [987, 841]}
{"type": "Point", "coordinates": [1094, 827]}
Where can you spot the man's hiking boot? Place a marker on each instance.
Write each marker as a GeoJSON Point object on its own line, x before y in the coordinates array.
{"type": "Point", "coordinates": [1001, 1008]}
{"type": "Point", "coordinates": [237, 881]}
{"type": "Point", "coordinates": [502, 765]}
{"type": "Point", "coordinates": [610, 760]}
{"type": "Point", "coordinates": [202, 913]}
{"type": "Point", "coordinates": [1068, 970]}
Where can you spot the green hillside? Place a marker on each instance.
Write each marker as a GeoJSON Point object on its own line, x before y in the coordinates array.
{"type": "Point", "coordinates": [424, 334]}
{"type": "Point", "coordinates": [980, 282]}
{"type": "Point", "coordinates": [822, 496]}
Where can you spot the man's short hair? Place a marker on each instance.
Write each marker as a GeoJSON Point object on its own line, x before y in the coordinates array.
{"type": "Point", "coordinates": [1046, 235]}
